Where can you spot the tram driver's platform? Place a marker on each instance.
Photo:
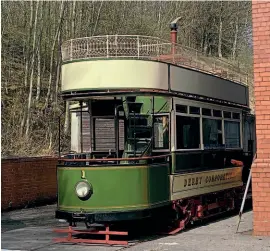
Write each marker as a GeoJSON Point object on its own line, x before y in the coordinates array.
{"type": "Point", "coordinates": [32, 229]}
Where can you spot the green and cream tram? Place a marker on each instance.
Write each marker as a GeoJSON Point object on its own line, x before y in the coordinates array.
{"type": "Point", "coordinates": [155, 132]}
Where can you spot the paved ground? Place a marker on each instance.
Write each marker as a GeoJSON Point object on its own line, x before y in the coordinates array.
{"type": "Point", "coordinates": [31, 229]}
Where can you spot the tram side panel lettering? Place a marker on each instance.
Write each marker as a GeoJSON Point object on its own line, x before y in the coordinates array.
{"type": "Point", "coordinates": [210, 181]}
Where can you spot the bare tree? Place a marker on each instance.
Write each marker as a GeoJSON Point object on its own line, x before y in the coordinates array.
{"type": "Point", "coordinates": [28, 42]}
{"type": "Point", "coordinates": [220, 31]}
{"type": "Point", "coordinates": [39, 67]}
{"type": "Point", "coordinates": [98, 17]}
{"type": "Point", "coordinates": [27, 59]}
{"type": "Point", "coordinates": [52, 53]}
{"type": "Point", "coordinates": [32, 72]}
{"type": "Point", "coordinates": [31, 51]}
{"type": "Point", "coordinates": [73, 19]}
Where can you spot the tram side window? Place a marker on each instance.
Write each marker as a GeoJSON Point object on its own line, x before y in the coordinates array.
{"type": "Point", "coordinates": [188, 132]}
{"type": "Point", "coordinates": [232, 134]}
{"type": "Point", "coordinates": [161, 132]}
{"type": "Point", "coordinates": [212, 133]}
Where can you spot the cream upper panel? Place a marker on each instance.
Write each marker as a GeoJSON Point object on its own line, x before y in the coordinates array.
{"type": "Point", "coordinates": [113, 74]}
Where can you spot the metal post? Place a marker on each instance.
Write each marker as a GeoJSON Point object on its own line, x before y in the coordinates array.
{"type": "Point", "coordinates": [245, 194]}
{"type": "Point", "coordinates": [173, 40]}
{"type": "Point", "coordinates": [81, 128]}
{"type": "Point", "coordinates": [71, 48]}
{"type": "Point", "coordinates": [138, 47]}
{"type": "Point", "coordinates": [107, 45]}
{"type": "Point", "coordinates": [116, 42]}
{"type": "Point", "coordinates": [158, 50]}
{"type": "Point", "coordinates": [90, 125]}
{"type": "Point", "coordinates": [59, 133]}
{"type": "Point", "coordinates": [134, 133]}
{"type": "Point", "coordinates": [116, 129]}
{"type": "Point", "coordinates": [244, 199]}
{"type": "Point", "coordinates": [153, 111]}
{"type": "Point", "coordinates": [174, 27]}
{"type": "Point", "coordinates": [59, 136]}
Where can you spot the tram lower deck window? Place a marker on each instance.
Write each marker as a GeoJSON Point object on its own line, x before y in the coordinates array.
{"type": "Point", "coordinates": [232, 134]}
{"type": "Point", "coordinates": [188, 132]}
{"type": "Point", "coordinates": [212, 132]}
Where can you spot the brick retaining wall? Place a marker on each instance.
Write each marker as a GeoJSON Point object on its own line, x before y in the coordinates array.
{"type": "Point", "coordinates": [261, 167]}
{"type": "Point", "coordinates": [28, 181]}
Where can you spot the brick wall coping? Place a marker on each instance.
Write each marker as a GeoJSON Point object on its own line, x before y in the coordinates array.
{"type": "Point", "coordinates": [27, 159]}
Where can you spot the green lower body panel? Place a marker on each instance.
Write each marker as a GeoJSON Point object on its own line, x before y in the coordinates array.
{"type": "Point", "coordinates": [115, 188]}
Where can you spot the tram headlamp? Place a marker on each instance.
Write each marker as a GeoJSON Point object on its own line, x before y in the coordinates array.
{"type": "Point", "coordinates": [83, 190]}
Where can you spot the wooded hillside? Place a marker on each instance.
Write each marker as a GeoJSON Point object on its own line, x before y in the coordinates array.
{"type": "Point", "coordinates": [32, 33]}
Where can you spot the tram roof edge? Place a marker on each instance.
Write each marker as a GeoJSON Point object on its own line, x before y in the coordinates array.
{"type": "Point", "coordinates": [85, 95]}
{"type": "Point", "coordinates": [107, 77]}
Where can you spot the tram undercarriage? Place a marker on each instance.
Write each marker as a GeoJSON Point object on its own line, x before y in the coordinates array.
{"type": "Point", "coordinates": [168, 220]}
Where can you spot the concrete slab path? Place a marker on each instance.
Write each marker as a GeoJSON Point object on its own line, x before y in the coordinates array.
{"type": "Point", "coordinates": [31, 229]}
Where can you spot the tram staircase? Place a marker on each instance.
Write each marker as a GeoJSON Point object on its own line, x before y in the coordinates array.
{"type": "Point", "coordinates": [139, 140]}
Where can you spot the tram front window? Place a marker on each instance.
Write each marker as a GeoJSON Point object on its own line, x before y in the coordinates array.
{"type": "Point", "coordinates": [232, 134]}
{"type": "Point", "coordinates": [212, 132]}
{"type": "Point", "coordinates": [112, 128]}
{"type": "Point", "coordinates": [138, 134]}
{"type": "Point", "coordinates": [161, 132]}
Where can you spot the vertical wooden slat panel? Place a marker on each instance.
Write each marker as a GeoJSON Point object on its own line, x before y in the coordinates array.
{"type": "Point", "coordinates": [105, 134]}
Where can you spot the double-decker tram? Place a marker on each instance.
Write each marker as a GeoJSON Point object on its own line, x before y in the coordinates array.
{"type": "Point", "coordinates": [157, 132]}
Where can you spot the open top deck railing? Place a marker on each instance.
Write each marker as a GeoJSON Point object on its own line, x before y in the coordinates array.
{"type": "Point", "coordinates": [150, 48]}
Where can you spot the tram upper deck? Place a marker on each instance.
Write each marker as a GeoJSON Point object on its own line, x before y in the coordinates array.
{"type": "Point", "coordinates": [104, 64]}
{"type": "Point", "coordinates": [145, 79]}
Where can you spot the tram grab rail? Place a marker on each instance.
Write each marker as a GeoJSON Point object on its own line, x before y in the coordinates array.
{"type": "Point", "coordinates": [115, 159]}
